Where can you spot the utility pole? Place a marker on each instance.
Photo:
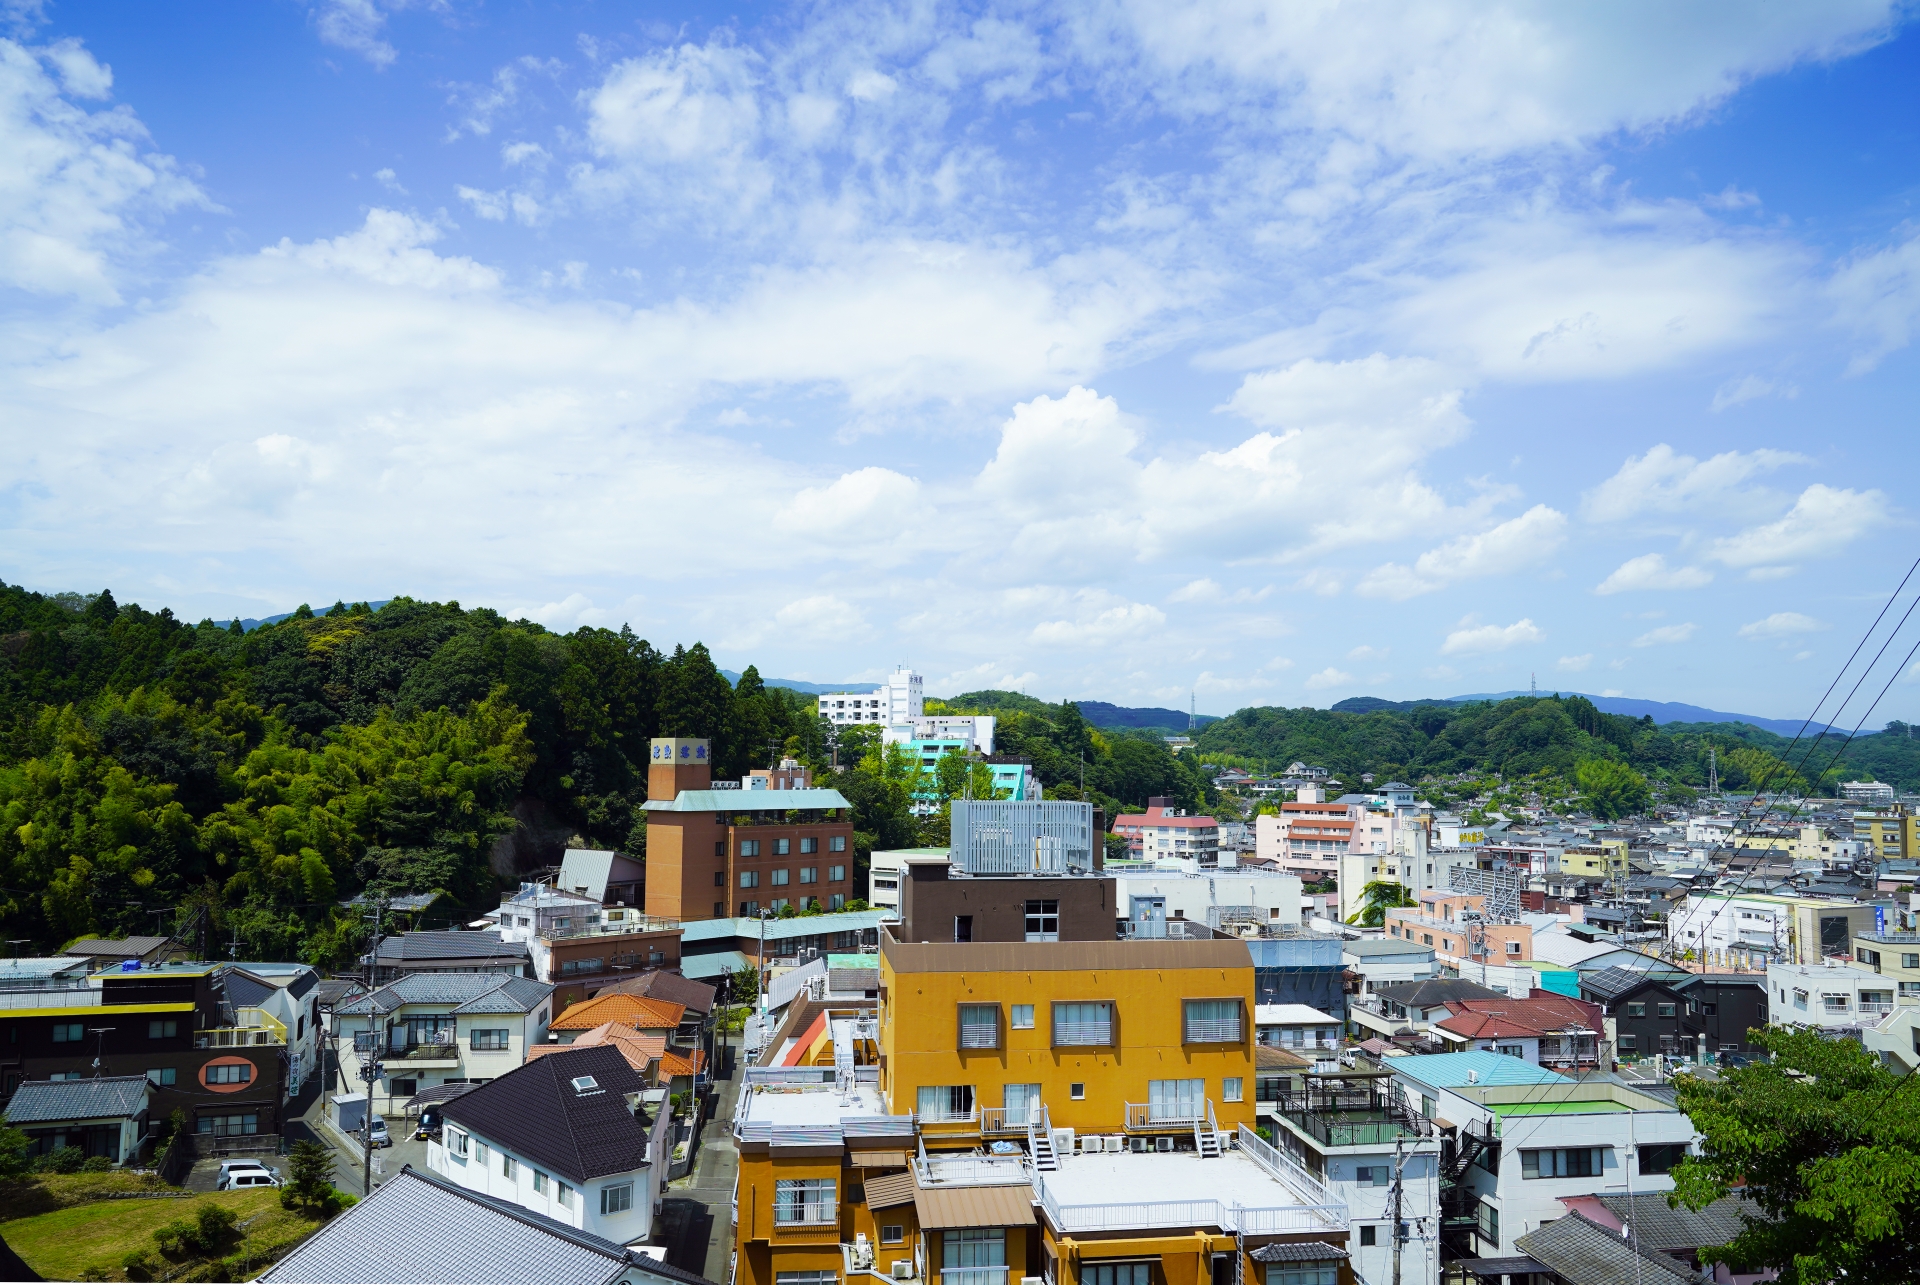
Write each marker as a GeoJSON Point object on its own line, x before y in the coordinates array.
{"type": "Point", "coordinates": [370, 1063]}
{"type": "Point", "coordinates": [1399, 1235]}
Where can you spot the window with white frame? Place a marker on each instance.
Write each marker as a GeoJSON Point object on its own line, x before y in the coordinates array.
{"type": "Point", "coordinates": [938, 1102]}
{"type": "Point", "coordinates": [1085, 1024]}
{"type": "Point", "coordinates": [566, 1196]}
{"type": "Point", "coordinates": [1563, 1162]}
{"type": "Point", "coordinates": [979, 1026]}
{"type": "Point", "coordinates": [539, 1183]}
{"type": "Point", "coordinates": [1230, 1088]}
{"type": "Point", "coordinates": [1021, 1016]}
{"type": "Point", "coordinates": [893, 1233]}
{"type": "Point", "coordinates": [805, 1200]}
{"type": "Point", "coordinates": [1043, 920]}
{"type": "Point", "coordinates": [457, 1143]}
{"type": "Point", "coordinates": [616, 1198]}
{"type": "Point", "coordinates": [491, 1039]}
{"type": "Point", "coordinates": [1211, 1021]}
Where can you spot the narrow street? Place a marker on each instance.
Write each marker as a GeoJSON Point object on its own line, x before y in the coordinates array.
{"type": "Point", "coordinates": [696, 1221]}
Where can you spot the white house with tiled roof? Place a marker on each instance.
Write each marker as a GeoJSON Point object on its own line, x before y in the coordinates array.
{"type": "Point", "coordinates": [428, 1029]}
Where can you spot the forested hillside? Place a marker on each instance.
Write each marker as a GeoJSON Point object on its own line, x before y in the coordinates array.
{"type": "Point", "coordinates": [1524, 736]}
{"type": "Point", "coordinates": [152, 770]}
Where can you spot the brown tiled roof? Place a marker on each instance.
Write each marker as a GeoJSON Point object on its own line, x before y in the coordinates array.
{"type": "Point", "coordinates": [891, 1189]}
{"type": "Point", "coordinates": [1001, 1206]}
{"type": "Point", "coordinates": [695, 997]}
{"type": "Point", "coordinates": [1268, 1058]}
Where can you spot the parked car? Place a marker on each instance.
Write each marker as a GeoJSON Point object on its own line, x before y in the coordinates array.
{"type": "Point", "coordinates": [381, 1138]}
{"type": "Point", "coordinates": [236, 1174]}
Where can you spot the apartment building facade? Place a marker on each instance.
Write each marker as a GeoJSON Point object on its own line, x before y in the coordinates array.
{"type": "Point", "coordinates": [1459, 929]}
{"type": "Point", "coordinates": [1068, 1111]}
{"type": "Point", "coordinates": [717, 853]}
{"type": "Point", "coordinates": [898, 701]}
{"type": "Point", "coordinates": [224, 1063]}
{"type": "Point", "coordinates": [1519, 1138]}
{"type": "Point", "coordinates": [1164, 831]}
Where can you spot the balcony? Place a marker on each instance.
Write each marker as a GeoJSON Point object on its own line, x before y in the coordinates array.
{"type": "Point", "coordinates": [1162, 1117]}
{"type": "Point", "coordinates": [423, 1056]}
{"type": "Point", "coordinates": [1002, 1120]}
{"type": "Point", "coordinates": [253, 1026]}
{"type": "Point", "coordinates": [971, 1171]}
{"type": "Point", "coordinates": [973, 1276]}
{"type": "Point", "coordinates": [629, 923]}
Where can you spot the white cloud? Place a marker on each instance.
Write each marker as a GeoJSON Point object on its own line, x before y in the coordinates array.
{"type": "Point", "coordinates": [1783, 624]}
{"type": "Point", "coordinates": [1575, 664]}
{"type": "Point", "coordinates": [389, 249]}
{"type": "Point", "coordinates": [77, 190]}
{"type": "Point", "coordinates": [688, 117]}
{"type": "Point", "coordinates": [1514, 545]}
{"type": "Point", "coordinates": [1100, 628]}
{"type": "Point", "coordinates": [871, 506]}
{"type": "Point", "coordinates": [1823, 521]}
{"type": "Point", "coordinates": [1650, 571]}
{"type": "Point", "coordinates": [356, 26]}
{"type": "Point", "coordinates": [1664, 481]}
{"type": "Point", "coordinates": [80, 74]}
{"type": "Point", "coordinates": [1205, 589]}
{"type": "Point", "coordinates": [1665, 634]}
{"type": "Point", "coordinates": [1750, 388]}
{"type": "Point", "coordinates": [1368, 652]}
{"type": "Point", "coordinates": [1877, 295]}
{"type": "Point", "coordinates": [1561, 297]}
{"type": "Point", "coordinates": [1328, 677]}
{"type": "Point", "coordinates": [1470, 637]}
{"type": "Point", "coordinates": [825, 616]}
{"type": "Point", "coordinates": [1462, 78]}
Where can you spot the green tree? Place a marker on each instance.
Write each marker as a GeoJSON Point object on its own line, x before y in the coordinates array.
{"type": "Point", "coordinates": [1376, 899]}
{"type": "Point", "coordinates": [1611, 790]}
{"type": "Point", "coordinates": [1826, 1140]}
{"type": "Point", "coordinates": [310, 1180]}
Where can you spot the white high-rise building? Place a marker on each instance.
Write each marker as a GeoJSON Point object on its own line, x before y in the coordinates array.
{"type": "Point", "coordinates": [900, 700]}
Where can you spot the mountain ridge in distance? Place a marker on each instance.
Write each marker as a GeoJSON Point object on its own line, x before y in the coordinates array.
{"type": "Point", "coordinates": [1661, 711]}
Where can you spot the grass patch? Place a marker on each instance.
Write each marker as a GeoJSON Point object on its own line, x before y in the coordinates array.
{"type": "Point", "coordinates": [89, 1242]}
{"type": "Point", "coordinates": [45, 1192]}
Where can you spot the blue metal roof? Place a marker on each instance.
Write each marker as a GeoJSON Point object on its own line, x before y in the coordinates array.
{"type": "Point", "coordinates": [781, 929]}
{"type": "Point", "coordinates": [1449, 1070]}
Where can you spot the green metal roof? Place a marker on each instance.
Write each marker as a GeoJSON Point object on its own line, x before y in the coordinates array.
{"type": "Point", "coordinates": [1603, 1107]}
{"type": "Point", "coordinates": [748, 801]}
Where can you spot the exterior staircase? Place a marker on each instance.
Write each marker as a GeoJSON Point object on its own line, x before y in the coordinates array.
{"type": "Point", "coordinates": [1040, 1142]}
{"type": "Point", "coordinates": [1206, 1135]}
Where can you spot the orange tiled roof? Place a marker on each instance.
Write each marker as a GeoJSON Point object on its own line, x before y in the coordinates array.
{"type": "Point", "coordinates": [640, 1048]}
{"type": "Point", "coordinates": [636, 1012]}
{"type": "Point", "coordinates": [675, 1062]}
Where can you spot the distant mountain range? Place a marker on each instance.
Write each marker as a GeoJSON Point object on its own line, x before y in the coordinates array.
{"type": "Point", "coordinates": [1101, 714]}
{"type": "Point", "coordinates": [1661, 711]}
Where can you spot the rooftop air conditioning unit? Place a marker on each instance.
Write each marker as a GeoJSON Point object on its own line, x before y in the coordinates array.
{"type": "Point", "coordinates": [903, 1269]}
{"type": "Point", "coordinates": [1116, 1143]}
{"type": "Point", "coordinates": [1092, 1144]}
{"type": "Point", "coordinates": [1063, 1141]}
{"type": "Point", "coordinates": [1140, 1144]}
{"type": "Point", "coordinates": [1163, 1144]}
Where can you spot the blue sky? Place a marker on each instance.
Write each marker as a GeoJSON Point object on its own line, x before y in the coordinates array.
{"type": "Point", "coordinates": [1115, 351]}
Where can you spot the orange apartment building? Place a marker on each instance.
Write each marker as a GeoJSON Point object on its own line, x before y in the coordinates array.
{"type": "Point", "coordinates": [1456, 926]}
{"type": "Point", "coordinates": [720, 853]}
{"type": "Point", "coordinates": [1066, 1112]}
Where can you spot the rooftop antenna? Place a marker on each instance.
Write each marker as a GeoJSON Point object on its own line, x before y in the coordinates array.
{"type": "Point", "coordinates": [1193, 704]}
{"type": "Point", "coordinates": [1713, 773]}
{"type": "Point", "coordinates": [1533, 684]}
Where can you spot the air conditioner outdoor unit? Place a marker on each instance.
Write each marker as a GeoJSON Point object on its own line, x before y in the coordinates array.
{"type": "Point", "coordinates": [903, 1269]}
{"type": "Point", "coordinates": [1116, 1143]}
{"type": "Point", "coordinates": [1140, 1144]}
{"type": "Point", "coordinates": [1092, 1144]}
{"type": "Point", "coordinates": [1163, 1144]}
{"type": "Point", "coordinates": [1033, 1280]}
{"type": "Point", "coordinates": [1063, 1141]}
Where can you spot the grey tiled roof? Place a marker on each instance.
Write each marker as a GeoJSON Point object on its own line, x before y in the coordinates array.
{"type": "Point", "coordinates": [418, 1229]}
{"type": "Point", "coordinates": [126, 948]}
{"type": "Point", "coordinates": [244, 988]}
{"type": "Point", "coordinates": [471, 992]}
{"type": "Point", "coordinates": [1584, 1253]}
{"type": "Point", "coordinates": [1659, 1227]}
{"type": "Point", "coordinates": [405, 948]}
{"type": "Point", "coordinates": [1294, 1251]}
{"type": "Point", "coordinates": [107, 1097]}
{"type": "Point", "coordinates": [1435, 991]}
{"type": "Point", "coordinates": [535, 1112]}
